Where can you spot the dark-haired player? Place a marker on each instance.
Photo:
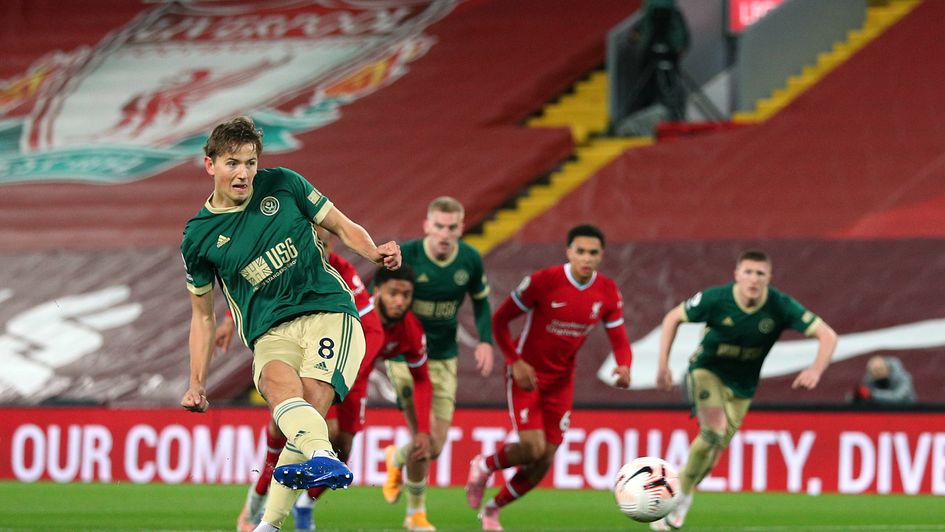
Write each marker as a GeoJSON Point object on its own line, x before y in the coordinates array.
{"type": "Point", "coordinates": [563, 304]}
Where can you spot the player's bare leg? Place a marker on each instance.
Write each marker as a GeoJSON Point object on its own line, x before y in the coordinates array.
{"type": "Point", "coordinates": [439, 430]}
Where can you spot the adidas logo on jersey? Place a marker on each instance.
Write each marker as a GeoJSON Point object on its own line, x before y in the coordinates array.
{"type": "Point", "coordinates": [422, 278]}
{"type": "Point", "coordinates": [222, 240]}
{"type": "Point", "coordinates": [728, 321]}
{"type": "Point", "coordinates": [321, 365]}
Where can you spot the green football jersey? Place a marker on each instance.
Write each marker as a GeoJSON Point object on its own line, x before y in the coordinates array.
{"type": "Point", "coordinates": [266, 255]}
{"type": "Point", "coordinates": [440, 289]}
{"type": "Point", "coordinates": [738, 339]}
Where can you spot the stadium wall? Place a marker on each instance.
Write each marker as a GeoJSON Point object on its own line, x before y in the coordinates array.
{"type": "Point", "coordinates": [788, 451]}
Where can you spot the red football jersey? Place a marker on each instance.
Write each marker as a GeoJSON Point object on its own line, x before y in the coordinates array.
{"type": "Point", "coordinates": [560, 314]}
{"type": "Point", "coordinates": [406, 337]}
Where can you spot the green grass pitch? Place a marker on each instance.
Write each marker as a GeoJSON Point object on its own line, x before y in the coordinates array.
{"type": "Point", "coordinates": [123, 506]}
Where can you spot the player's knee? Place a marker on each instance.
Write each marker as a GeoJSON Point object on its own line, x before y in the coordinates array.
{"type": "Point", "coordinates": [712, 439]}
{"type": "Point", "coordinates": [534, 450]}
{"type": "Point", "coordinates": [277, 379]}
{"type": "Point", "coordinates": [436, 447]}
{"type": "Point", "coordinates": [319, 394]}
{"type": "Point", "coordinates": [547, 459]}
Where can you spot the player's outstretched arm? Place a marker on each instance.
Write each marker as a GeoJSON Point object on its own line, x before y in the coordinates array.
{"type": "Point", "coordinates": [202, 340]}
{"type": "Point", "coordinates": [358, 240]}
{"type": "Point", "coordinates": [826, 344]}
{"type": "Point", "coordinates": [664, 377]}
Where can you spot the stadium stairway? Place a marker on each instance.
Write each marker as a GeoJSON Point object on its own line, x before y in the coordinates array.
{"type": "Point", "coordinates": [841, 182]}
{"type": "Point", "coordinates": [94, 298]}
{"type": "Point", "coordinates": [584, 112]}
{"type": "Point", "coordinates": [879, 17]}
{"type": "Point", "coordinates": [428, 123]}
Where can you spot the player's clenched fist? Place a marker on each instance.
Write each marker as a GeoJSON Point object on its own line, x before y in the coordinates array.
{"type": "Point", "coordinates": [389, 255]}
{"type": "Point", "coordinates": [195, 401]}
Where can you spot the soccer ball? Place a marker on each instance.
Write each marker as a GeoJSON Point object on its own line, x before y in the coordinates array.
{"type": "Point", "coordinates": [646, 489]}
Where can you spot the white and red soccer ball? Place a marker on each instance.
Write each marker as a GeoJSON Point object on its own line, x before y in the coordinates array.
{"type": "Point", "coordinates": [646, 489]}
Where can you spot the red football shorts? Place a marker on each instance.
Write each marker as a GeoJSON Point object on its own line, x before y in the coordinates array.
{"type": "Point", "coordinates": [547, 407]}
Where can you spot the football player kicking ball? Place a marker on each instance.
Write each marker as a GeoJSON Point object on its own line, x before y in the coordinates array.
{"type": "Point", "coordinates": [254, 236]}
{"type": "Point", "coordinates": [402, 335]}
{"type": "Point", "coordinates": [564, 303]}
{"type": "Point", "coordinates": [743, 321]}
{"type": "Point", "coordinates": [344, 420]}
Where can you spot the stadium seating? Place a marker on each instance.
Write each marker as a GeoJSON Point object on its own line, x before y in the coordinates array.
{"type": "Point", "coordinates": [94, 217]}
{"type": "Point", "coordinates": [844, 187]}
{"type": "Point", "coordinates": [825, 184]}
